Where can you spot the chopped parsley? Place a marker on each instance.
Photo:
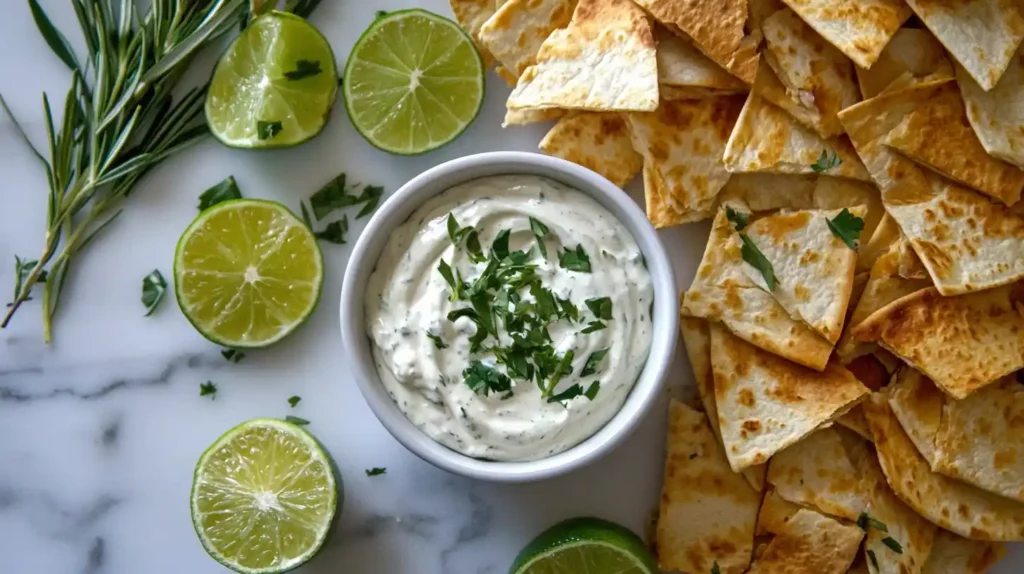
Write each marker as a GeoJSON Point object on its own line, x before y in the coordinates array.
{"type": "Point", "coordinates": [826, 162]}
{"type": "Point", "coordinates": [334, 232]}
{"type": "Point", "coordinates": [846, 226]}
{"type": "Point", "coordinates": [592, 327]}
{"type": "Point", "coordinates": [601, 308]}
{"type": "Point", "coordinates": [540, 231]}
{"type": "Point", "coordinates": [267, 130]}
{"type": "Point", "coordinates": [336, 194]}
{"type": "Point", "coordinates": [739, 219]}
{"type": "Point", "coordinates": [294, 400]}
{"type": "Point", "coordinates": [153, 288]}
{"type": "Point", "coordinates": [232, 355]}
{"type": "Point", "coordinates": [715, 569]}
{"type": "Point", "coordinates": [438, 342]}
{"type": "Point", "coordinates": [873, 559]}
{"type": "Point", "coordinates": [865, 521]}
{"type": "Point", "coordinates": [296, 420]}
{"type": "Point", "coordinates": [466, 237]}
{"type": "Point", "coordinates": [376, 471]}
{"type": "Point", "coordinates": [484, 380]}
{"type": "Point", "coordinates": [304, 69]}
{"type": "Point", "coordinates": [590, 367]}
{"type": "Point", "coordinates": [574, 260]}
{"type": "Point", "coordinates": [752, 255]}
{"type": "Point", "coordinates": [893, 544]}
{"type": "Point", "coordinates": [208, 389]}
{"type": "Point", "coordinates": [223, 191]}
{"type": "Point", "coordinates": [592, 390]}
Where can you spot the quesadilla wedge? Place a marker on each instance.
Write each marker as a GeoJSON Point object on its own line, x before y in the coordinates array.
{"type": "Point", "coordinates": [716, 27]}
{"type": "Point", "coordinates": [962, 343]}
{"type": "Point", "coordinates": [682, 144]}
{"type": "Point", "coordinates": [997, 115]}
{"type": "Point", "coordinates": [936, 135]}
{"type": "Point", "coordinates": [604, 61]}
{"type": "Point", "coordinates": [952, 554]}
{"type": "Point", "coordinates": [471, 15]}
{"type": "Point", "coordinates": [813, 267]}
{"type": "Point", "coordinates": [774, 514]}
{"type": "Point", "coordinates": [766, 403]}
{"type": "Point", "coordinates": [769, 192]}
{"type": "Point", "coordinates": [699, 482]}
{"type": "Point", "coordinates": [914, 535]}
{"type": "Point", "coordinates": [767, 139]}
{"type": "Point", "coordinates": [951, 504]}
{"type": "Point", "coordinates": [917, 404]}
{"type": "Point", "coordinates": [810, 543]}
{"type": "Point", "coordinates": [814, 79]}
{"type": "Point", "coordinates": [516, 31]}
{"type": "Point", "coordinates": [722, 291]}
{"type": "Point", "coordinates": [911, 50]}
{"type": "Point", "coordinates": [982, 35]}
{"type": "Point", "coordinates": [861, 29]}
{"type": "Point", "coordinates": [680, 64]}
{"type": "Point", "coordinates": [595, 140]}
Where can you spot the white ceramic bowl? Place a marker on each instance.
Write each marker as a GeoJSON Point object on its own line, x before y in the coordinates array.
{"type": "Point", "coordinates": [407, 200]}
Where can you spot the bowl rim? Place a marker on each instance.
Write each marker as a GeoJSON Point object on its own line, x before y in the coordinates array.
{"type": "Point", "coordinates": [401, 205]}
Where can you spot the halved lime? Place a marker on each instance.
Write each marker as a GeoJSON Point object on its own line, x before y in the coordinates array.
{"type": "Point", "coordinates": [263, 497]}
{"type": "Point", "coordinates": [413, 82]}
{"type": "Point", "coordinates": [247, 272]}
{"type": "Point", "coordinates": [585, 546]}
{"type": "Point", "coordinates": [274, 86]}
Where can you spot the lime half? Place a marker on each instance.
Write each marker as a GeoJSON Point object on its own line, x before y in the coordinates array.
{"type": "Point", "coordinates": [413, 82]}
{"type": "Point", "coordinates": [263, 497]}
{"type": "Point", "coordinates": [247, 272]}
{"type": "Point", "coordinates": [585, 546]}
{"type": "Point", "coordinates": [274, 86]}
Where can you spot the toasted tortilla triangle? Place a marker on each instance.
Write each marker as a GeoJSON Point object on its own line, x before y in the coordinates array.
{"type": "Point", "coordinates": [471, 15]}
{"type": "Point", "coordinates": [722, 291]}
{"type": "Point", "coordinates": [962, 343]}
{"type": "Point", "coordinates": [936, 135]}
{"type": "Point", "coordinates": [997, 115]}
{"type": "Point", "coordinates": [595, 140]}
{"type": "Point", "coordinates": [766, 403]}
{"type": "Point", "coordinates": [603, 61]}
{"type": "Point", "coordinates": [911, 50]}
{"type": "Point", "coordinates": [951, 504]}
{"type": "Point", "coordinates": [917, 404]}
{"type": "Point", "coordinates": [981, 34]}
{"type": "Point", "coordinates": [716, 27]}
{"type": "Point", "coordinates": [879, 242]}
{"type": "Point", "coordinates": [952, 554]}
{"type": "Point", "coordinates": [699, 482]}
{"type": "Point", "coordinates": [839, 192]}
{"type": "Point", "coordinates": [516, 31]}
{"type": "Point", "coordinates": [860, 28]}
{"type": "Point", "coordinates": [810, 543]}
{"type": "Point", "coordinates": [530, 116]}
{"type": "Point", "coordinates": [775, 513]}
{"type": "Point", "coordinates": [767, 139]}
{"type": "Point", "coordinates": [680, 64]}
{"type": "Point", "coordinates": [805, 75]}
{"type": "Point", "coordinates": [813, 267]}
{"type": "Point", "coordinates": [682, 145]}
{"type": "Point", "coordinates": [910, 265]}
{"type": "Point", "coordinates": [769, 192]}
{"type": "Point", "coordinates": [914, 534]}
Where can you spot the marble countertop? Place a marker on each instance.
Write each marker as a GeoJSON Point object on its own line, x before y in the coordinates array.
{"type": "Point", "coordinates": [100, 430]}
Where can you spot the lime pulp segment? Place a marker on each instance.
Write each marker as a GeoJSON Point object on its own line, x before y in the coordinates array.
{"type": "Point", "coordinates": [413, 82]}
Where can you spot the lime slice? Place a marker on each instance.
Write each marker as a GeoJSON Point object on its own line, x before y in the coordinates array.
{"type": "Point", "coordinates": [585, 546]}
{"type": "Point", "coordinates": [413, 82]}
{"type": "Point", "coordinates": [247, 272]}
{"type": "Point", "coordinates": [263, 497]}
{"type": "Point", "coordinates": [274, 86]}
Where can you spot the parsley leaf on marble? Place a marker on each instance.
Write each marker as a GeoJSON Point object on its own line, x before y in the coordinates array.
{"type": "Point", "coordinates": [232, 355]}
{"type": "Point", "coordinates": [267, 130]}
{"type": "Point", "coordinates": [208, 388]}
{"type": "Point", "coordinates": [826, 162]}
{"type": "Point", "coordinates": [223, 191]}
{"type": "Point", "coordinates": [153, 288]}
{"type": "Point", "coordinates": [738, 219]}
{"type": "Point", "coordinates": [294, 400]}
{"type": "Point", "coordinates": [540, 231]}
{"type": "Point", "coordinates": [304, 69]}
{"type": "Point", "coordinates": [595, 358]}
{"type": "Point", "coordinates": [752, 255]}
{"type": "Point", "coordinates": [846, 226]}
{"type": "Point", "coordinates": [376, 471]}
{"type": "Point", "coordinates": [574, 260]}
{"type": "Point", "coordinates": [334, 232]}
{"type": "Point", "coordinates": [296, 420]}
{"type": "Point", "coordinates": [336, 194]}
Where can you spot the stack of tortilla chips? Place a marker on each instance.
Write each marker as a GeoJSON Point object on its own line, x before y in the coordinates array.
{"type": "Point", "coordinates": [856, 325]}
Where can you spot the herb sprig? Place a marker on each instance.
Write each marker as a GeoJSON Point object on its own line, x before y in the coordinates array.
{"type": "Point", "coordinates": [223, 191]}
{"type": "Point", "coordinates": [749, 250]}
{"type": "Point", "coordinates": [846, 226]}
{"type": "Point", "coordinates": [337, 195]}
{"type": "Point", "coordinates": [826, 161]}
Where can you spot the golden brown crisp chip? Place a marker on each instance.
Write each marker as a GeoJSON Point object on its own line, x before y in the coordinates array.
{"type": "Point", "coordinates": [838, 192]}
{"type": "Point", "coordinates": [952, 554]}
{"type": "Point", "coordinates": [516, 31]}
{"type": "Point", "coordinates": [523, 117]}
{"type": "Point", "coordinates": [699, 482]}
{"type": "Point", "coordinates": [810, 543]}
{"type": "Point", "coordinates": [855, 421]}
{"type": "Point", "coordinates": [766, 403]}
{"type": "Point", "coordinates": [887, 232]}
{"type": "Point", "coordinates": [914, 535]}
{"type": "Point", "coordinates": [911, 50]}
{"type": "Point", "coordinates": [917, 403]}
{"type": "Point", "coordinates": [860, 28]}
{"type": "Point", "coordinates": [962, 343]}
{"type": "Point", "coordinates": [997, 115]}
{"type": "Point", "coordinates": [471, 15]}
{"type": "Point", "coordinates": [595, 140]}
{"type": "Point", "coordinates": [681, 65]}
{"type": "Point", "coordinates": [774, 514]}
{"type": "Point", "coordinates": [770, 192]}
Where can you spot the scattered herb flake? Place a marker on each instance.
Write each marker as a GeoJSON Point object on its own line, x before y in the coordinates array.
{"type": "Point", "coordinates": [567, 310]}
{"type": "Point", "coordinates": [826, 161]}
{"type": "Point", "coordinates": [566, 395]}
{"type": "Point", "coordinates": [574, 260]}
{"type": "Point", "coordinates": [592, 327]}
{"type": "Point", "coordinates": [294, 400]}
{"type": "Point", "coordinates": [873, 559]}
{"type": "Point", "coordinates": [540, 231]}
{"type": "Point", "coordinates": [208, 388]}
{"type": "Point", "coordinates": [223, 191]}
{"type": "Point", "coordinates": [500, 243]}
{"type": "Point", "coordinates": [335, 194]}
{"type": "Point", "coordinates": [232, 355]}
{"type": "Point", "coordinates": [595, 358]}
{"type": "Point", "coordinates": [334, 232]}
{"type": "Point", "coordinates": [865, 521]}
{"type": "Point", "coordinates": [893, 544]}
{"type": "Point", "coordinates": [296, 420]}
{"type": "Point", "coordinates": [846, 226]}
{"type": "Point", "coordinates": [153, 288]}
{"type": "Point", "coordinates": [438, 342]}
{"type": "Point", "coordinates": [592, 390]}
{"type": "Point", "coordinates": [376, 471]}
{"type": "Point", "coordinates": [381, 13]}
{"type": "Point", "coordinates": [600, 307]}
{"type": "Point", "coordinates": [304, 69]}
{"type": "Point", "coordinates": [739, 219]}
{"type": "Point", "coordinates": [752, 255]}
{"type": "Point", "coordinates": [267, 130]}
{"type": "Point", "coordinates": [715, 569]}
{"type": "Point", "coordinates": [484, 380]}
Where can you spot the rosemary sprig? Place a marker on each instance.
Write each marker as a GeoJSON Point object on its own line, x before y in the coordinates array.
{"type": "Point", "coordinates": [119, 118]}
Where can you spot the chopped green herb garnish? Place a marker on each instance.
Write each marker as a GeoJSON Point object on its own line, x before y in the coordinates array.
{"type": "Point", "coordinates": [574, 260]}
{"type": "Point", "coordinates": [296, 420]}
{"type": "Point", "coordinates": [846, 226]}
{"type": "Point", "coordinates": [376, 471]}
{"type": "Point", "coordinates": [826, 162]}
{"type": "Point", "coordinates": [294, 400]}
{"type": "Point", "coordinates": [568, 394]}
{"type": "Point", "coordinates": [595, 358]}
{"type": "Point", "coordinates": [739, 219]}
{"type": "Point", "coordinates": [752, 255]}
{"type": "Point", "coordinates": [540, 231]}
{"type": "Point", "coordinates": [500, 244]}
{"type": "Point", "coordinates": [337, 195]}
{"type": "Point", "coordinates": [438, 342]}
{"type": "Point", "coordinates": [232, 355]}
{"type": "Point", "coordinates": [334, 232]}
{"type": "Point", "coordinates": [873, 559]}
{"type": "Point", "coordinates": [567, 310]}
{"type": "Point", "coordinates": [208, 389]}
{"type": "Point", "coordinates": [562, 369]}
{"type": "Point", "coordinates": [601, 307]}
{"type": "Point", "coordinates": [715, 569]}
{"type": "Point", "coordinates": [466, 237]}
{"type": "Point", "coordinates": [592, 390]}
{"type": "Point", "coordinates": [893, 544]}
{"type": "Point", "coordinates": [153, 288]}
{"type": "Point", "coordinates": [484, 380]}
{"type": "Point", "coordinates": [381, 13]}
{"type": "Point", "coordinates": [267, 130]}
{"type": "Point", "coordinates": [223, 191]}
{"type": "Point", "coordinates": [304, 69]}
{"type": "Point", "coordinates": [865, 521]}
{"type": "Point", "coordinates": [592, 327]}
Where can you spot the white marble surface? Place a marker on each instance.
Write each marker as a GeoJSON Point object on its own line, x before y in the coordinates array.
{"type": "Point", "coordinates": [100, 430]}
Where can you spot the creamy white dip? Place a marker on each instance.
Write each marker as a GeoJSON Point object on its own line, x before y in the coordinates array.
{"type": "Point", "coordinates": [407, 299]}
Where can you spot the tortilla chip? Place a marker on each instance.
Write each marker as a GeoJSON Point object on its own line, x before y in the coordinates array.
{"type": "Point", "coordinates": [997, 115]}
{"type": "Point", "coordinates": [911, 50]}
{"type": "Point", "coordinates": [951, 504]}
{"type": "Point", "coordinates": [818, 472]}
{"type": "Point", "coordinates": [952, 554]}
{"type": "Point", "coordinates": [813, 267]}
{"type": "Point", "coordinates": [859, 28]}
{"type": "Point", "coordinates": [962, 343]}
{"type": "Point", "coordinates": [770, 192]}
{"type": "Point", "coordinates": [530, 116]}
{"type": "Point", "coordinates": [682, 144]}
{"type": "Point", "coordinates": [810, 543]}
{"type": "Point", "coordinates": [515, 33]}
{"type": "Point", "coordinates": [917, 403]}
{"type": "Point", "coordinates": [887, 232]}
{"type": "Point", "coordinates": [604, 61]}
{"type": "Point", "coordinates": [837, 193]}
{"type": "Point", "coordinates": [806, 76]}
{"type": "Point", "coordinates": [936, 135]}
{"type": "Point", "coordinates": [774, 514]}
{"type": "Point", "coordinates": [680, 64]}
{"type": "Point", "coordinates": [914, 534]}
{"type": "Point", "coordinates": [910, 265]}
{"type": "Point", "coordinates": [982, 35]}
{"type": "Point", "coordinates": [766, 403]}
{"type": "Point", "coordinates": [716, 28]}
{"type": "Point", "coordinates": [471, 15]}
{"type": "Point", "coordinates": [722, 291]}
{"type": "Point", "coordinates": [855, 421]}
{"type": "Point", "coordinates": [595, 140]}
{"type": "Point", "coordinates": [767, 139]}
{"type": "Point", "coordinates": [677, 93]}
{"type": "Point", "coordinates": [699, 482]}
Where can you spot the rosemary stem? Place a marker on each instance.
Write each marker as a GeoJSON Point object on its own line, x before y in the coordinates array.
{"type": "Point", "coordinates": [26, 288]}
